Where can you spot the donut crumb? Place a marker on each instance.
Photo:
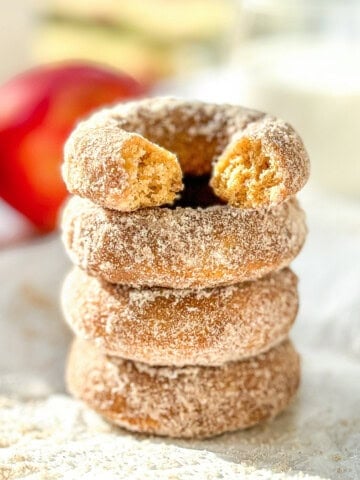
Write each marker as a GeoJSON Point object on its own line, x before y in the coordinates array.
{"type": "Point", "coordinates": [157, 172]}
{"type": "Point", "coordinates": [245, 176]}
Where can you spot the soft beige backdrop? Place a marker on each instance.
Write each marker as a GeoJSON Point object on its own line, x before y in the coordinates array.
{"type": "Point", "coordinates": [16, 23]}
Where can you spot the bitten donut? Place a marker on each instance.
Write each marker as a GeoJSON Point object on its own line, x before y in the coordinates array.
{"type": "Point", "coordinates": [182, 327]}
{"type": "Point", "coordinates": [126, 157]}
{"type": "Point", "coordinates": [184, 402]}
{"type": "Point", "coordinates": [262, 165]}
{"type": "Point", "coordinates": [120, 170]}
{"type": "Point", "coordinates": [182, 247]}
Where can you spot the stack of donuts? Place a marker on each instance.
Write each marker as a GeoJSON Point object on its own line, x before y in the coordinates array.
{"type": "Point", "coordinates": [182, 226]}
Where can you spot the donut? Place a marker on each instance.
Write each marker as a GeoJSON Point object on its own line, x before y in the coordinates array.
{"type": "Point", "coordinates": [187, 402]}
{"type": "Point", "coordinates": [181, 327]}
{"type": "Point", "coordinates": [182, 247]}
{"type": "Point", "coordinates": [120, 170]}
{"type": "Point", "coordinates": [133, 155]}
{"type": "Point", "coordinates": [262, 165]}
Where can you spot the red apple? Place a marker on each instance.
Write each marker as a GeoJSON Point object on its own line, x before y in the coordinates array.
{"type": "Point", "coordinates": [38, 110]}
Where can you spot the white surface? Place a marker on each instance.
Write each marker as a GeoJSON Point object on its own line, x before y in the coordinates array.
{"type": "Point", "coordinates": [61, 439]}
{"type": "Point", "coordinates": [33, 338]}
{"type": "Point", "coordinates": [318, 435]}
{"type": "Point", "coordinates": [14, 227]}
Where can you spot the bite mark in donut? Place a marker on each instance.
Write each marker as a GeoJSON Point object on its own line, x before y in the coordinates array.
{"type": "Point", "coordinates": [259, 160]}
{"type": "Point", "coordinates": [261, 166]}
{"type": "Point", "coordinates": [122, 171]}
{"type": "Point", "coordinates": [245, 177]}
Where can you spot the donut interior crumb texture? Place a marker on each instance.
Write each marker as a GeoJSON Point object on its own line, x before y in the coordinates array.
{"type": "Point", "coordinates": [157, 173]}
{"type": "Point", "coordinates": [120, 171]}
{"type": "Point", "coordinates": [245, 176]}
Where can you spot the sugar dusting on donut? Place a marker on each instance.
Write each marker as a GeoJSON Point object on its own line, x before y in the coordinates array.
{"type": "Point", "coordinates": [215, 306]}
{"type": "Point", "coordinates": [182, 247]}
{"type": "Point", "coordinates": [184, 402]}
{"type": "Point", "coordinates": [259, 159]}
{"type": "Point", "coordinates": [195, 131]}
{"type": "Point", "coordinates": [121, 171]}
{"type": "Point", "coordinates": [182, 327]}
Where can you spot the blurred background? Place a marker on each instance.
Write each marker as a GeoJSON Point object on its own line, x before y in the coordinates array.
{"type": "Point", "coordinates": [298, 59]}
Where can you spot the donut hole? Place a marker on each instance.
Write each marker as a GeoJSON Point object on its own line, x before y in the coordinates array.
{"type": "Point", "coordinates": [245, 176]}
{"type": "Point", "coordinates": [155, 174]}
{"type": "Point", "coordinates": [197, 193]}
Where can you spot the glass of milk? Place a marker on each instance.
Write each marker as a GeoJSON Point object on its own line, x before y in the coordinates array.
{"type": "Point", "coordinates": [301, 60]}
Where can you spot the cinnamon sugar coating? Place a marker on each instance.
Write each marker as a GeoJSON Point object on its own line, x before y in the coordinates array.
{"type": "Point", "coordinates": [182, 327]}
{"type": "Point", "coordinates": [164, 131]}
{"type": "Point", "coordinates": [184, 402]}
{"type": "Point", "coordinates": [182, 247]}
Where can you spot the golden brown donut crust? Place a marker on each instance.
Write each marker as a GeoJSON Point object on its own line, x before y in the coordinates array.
{"type": "Point", "coordinates": [184, 402]}
{"type": "Point", "coordinates": [199, 135]}
{"type": "Point", "coordinates": [182, 247]}
{"type": "Point", "coordinates": [182, 327]}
